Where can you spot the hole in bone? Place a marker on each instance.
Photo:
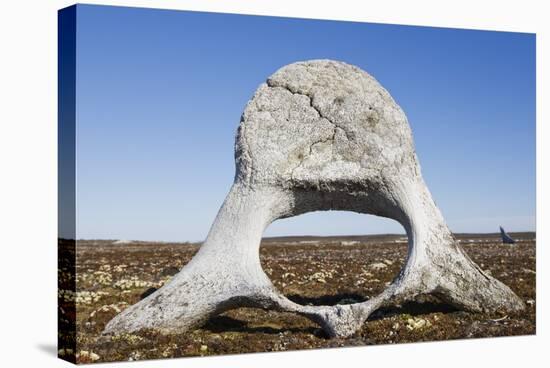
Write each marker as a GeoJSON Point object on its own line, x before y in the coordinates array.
{"type": "Point", "coordinates": [334, 269]}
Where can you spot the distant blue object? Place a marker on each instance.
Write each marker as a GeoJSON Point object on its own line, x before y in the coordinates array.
{"type": "Point", "coordinates": [506, 239]}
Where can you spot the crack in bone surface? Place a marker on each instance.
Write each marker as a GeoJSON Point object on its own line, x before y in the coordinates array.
{"type": "Point", "coordinates": [272, 84]}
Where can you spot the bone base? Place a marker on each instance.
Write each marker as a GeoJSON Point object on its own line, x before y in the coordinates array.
{"type": "Point", "coordinates": [436, 265]}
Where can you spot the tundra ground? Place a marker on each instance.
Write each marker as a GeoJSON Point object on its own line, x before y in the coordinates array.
{"type": "Point", "coordinates": [110, 276]}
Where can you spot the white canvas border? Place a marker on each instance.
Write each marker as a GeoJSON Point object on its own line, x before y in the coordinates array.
{"type": "Point", "coordinates": [28, 202]}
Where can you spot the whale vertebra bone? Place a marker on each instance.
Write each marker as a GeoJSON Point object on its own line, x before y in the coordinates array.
{"type": "Point", "coordinates": [318, 135]}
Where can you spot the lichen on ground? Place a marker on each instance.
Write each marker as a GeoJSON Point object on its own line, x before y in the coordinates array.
{"type": "Point", "coordinates": [111, 277]}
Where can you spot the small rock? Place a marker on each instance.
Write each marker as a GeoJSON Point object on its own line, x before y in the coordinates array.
{"type": "Point", "coordinates": [417, 323]}
{"type": "Point", "coordinates": [378, 266]}
{"type": "Point", "coordinates": [134, 355]}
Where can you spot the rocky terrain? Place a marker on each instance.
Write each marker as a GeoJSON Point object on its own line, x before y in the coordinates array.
{"type": "Point", "coordinates": [111, 275]}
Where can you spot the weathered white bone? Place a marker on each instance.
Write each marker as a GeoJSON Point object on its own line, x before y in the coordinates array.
{"type": "Point", "coordinates": [318, 135]}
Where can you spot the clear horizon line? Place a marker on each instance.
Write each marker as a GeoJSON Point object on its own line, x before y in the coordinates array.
{"type": "Point", "coordinates": [293, 236]}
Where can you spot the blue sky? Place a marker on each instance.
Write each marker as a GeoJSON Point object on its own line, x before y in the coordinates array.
{"type": "Point", "coordinates": [160, 94]}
